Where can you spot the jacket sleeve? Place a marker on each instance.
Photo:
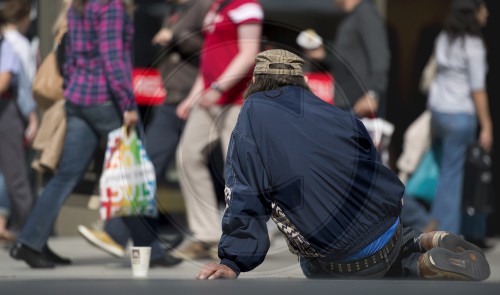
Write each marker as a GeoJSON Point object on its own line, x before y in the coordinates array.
{"type": "Point", "coordinates": [187, 32]}
{"type": "Point", "coordinates": [374, 39]}
{"type": "Point", "coordinates": [245, 241]}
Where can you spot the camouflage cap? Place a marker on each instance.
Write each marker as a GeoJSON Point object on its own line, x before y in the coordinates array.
{"type": "Point", "coordinates": [265, 59]}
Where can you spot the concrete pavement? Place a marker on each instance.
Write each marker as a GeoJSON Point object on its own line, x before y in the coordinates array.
{"type": "Point", "coordinates": [95, 272]}
{"type": "Point", "coordinates": [92, 263]}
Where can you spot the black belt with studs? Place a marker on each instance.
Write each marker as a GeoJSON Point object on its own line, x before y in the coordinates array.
{"type": "Point", "coordinates": [364, 263]}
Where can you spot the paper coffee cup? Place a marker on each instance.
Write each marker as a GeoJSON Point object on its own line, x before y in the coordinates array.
{"type": "Point", "coordinates": [139, 258]}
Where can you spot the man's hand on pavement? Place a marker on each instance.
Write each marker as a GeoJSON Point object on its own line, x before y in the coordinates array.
{"type": "Point", "coordinates": [213, 271]}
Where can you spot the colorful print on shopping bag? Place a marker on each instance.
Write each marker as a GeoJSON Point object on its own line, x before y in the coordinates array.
{"type": "Point", "coordinates": [128, 183]}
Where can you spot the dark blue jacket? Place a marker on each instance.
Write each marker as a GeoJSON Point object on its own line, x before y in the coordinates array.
{"type": "Point", "coordinates": [313, 167]}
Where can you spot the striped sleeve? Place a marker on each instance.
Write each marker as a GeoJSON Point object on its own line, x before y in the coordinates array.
{"type": "Point", "coordinates": [247, 13]}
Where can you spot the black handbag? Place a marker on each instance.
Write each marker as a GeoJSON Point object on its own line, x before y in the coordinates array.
{"type": "Point", "coordinates": [477, 191]}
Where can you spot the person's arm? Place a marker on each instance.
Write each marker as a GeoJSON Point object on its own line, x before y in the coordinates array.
{"type": "Point", "coordinates": [111, 47]}
{"type": "Point", "coordinates": [32, 127]}
{"type": "Point", "coordinates": [248, 46]}
{"type": "Point", "coordinates": [245, 240]}
{"type": "Point", "coordinates": [184, 108]}
{"type": "Point", "coordinates": [187, 32]}
{"type": "Point", "coordinates": [163, 37]}
{"type": "Point", "coordinates": [483, 115]}
{"type": "Point", "coordinates": [27, 104]}
{"type": "Point", "coordinates": [9, 66]}
{"type": "Point", "coordinates": [477, 68]}
{"type": "Point", "coordinates": [5, 78]}
{"type": "Point", "coordinates": [374, 37]}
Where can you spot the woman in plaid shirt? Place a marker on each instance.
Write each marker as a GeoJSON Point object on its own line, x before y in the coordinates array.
{"type": "Point", "coordinates": [98, 91]}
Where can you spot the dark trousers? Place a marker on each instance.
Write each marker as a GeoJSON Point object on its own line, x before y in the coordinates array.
{"type": "Point", "coordinates": [13, 163]}
{"type": "Point", "coordinates": [162, 137]}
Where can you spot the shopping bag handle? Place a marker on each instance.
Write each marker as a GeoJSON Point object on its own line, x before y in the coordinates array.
{"type": "Point", "coordinates": [128, 132]}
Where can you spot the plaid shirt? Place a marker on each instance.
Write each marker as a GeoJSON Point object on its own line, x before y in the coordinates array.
{"type": "Point", "coordinates": [98, 55]}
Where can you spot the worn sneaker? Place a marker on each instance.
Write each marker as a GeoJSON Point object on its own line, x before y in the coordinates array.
{"type": "Point", "coordinates": [101, 240]}
{"type": "Point", "coordinates": [443, 264]}
{"type": "Point", "coordinates": [447, 240]}
{"type": "Point", "coordinates": [195, 251]}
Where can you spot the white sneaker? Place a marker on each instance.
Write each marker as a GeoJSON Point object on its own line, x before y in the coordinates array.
{"type": "Point", "coordinates": [101, 240]}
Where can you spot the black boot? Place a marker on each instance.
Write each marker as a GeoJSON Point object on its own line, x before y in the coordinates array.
{"type": "Point", "coordinates": [50, 255]}
{"type": "Point", "coordinates": [33, 258]}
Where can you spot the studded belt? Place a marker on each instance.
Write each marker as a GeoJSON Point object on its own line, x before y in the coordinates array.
{"type": "Point", "coordinates": [364, 263]}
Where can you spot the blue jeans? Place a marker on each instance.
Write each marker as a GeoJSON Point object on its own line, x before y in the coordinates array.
{"type": "Point", "coordinates": [85, 127]}
{"type": "Point", "coordinates": [451, 135]}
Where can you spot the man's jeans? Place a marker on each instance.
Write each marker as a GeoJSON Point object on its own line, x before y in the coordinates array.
{"type": "Point", "coordinates": [452, 134]}
{"type": "Point", "coordinates": [402, 261]}
{"type": "Point", "coordinates": [414, 214]}
{"type": "Point", "coordinates": [85, 126]}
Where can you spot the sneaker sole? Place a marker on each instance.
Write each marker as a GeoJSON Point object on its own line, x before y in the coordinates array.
{"type": "Point", "coordinates": [455, 243]}
{"type": "Point", "coordinates": [467, 265]}
{"type": "Point", "coordinates": [87, 235]}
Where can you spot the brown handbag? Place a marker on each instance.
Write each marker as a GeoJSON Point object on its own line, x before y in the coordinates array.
{"type": "Point", "coordinates": [48, 82]}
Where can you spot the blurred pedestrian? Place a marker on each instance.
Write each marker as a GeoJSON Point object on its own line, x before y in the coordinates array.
{"type": "Point", "coordinates": [49, 141]}
{"type": "Point", "coordinates": [99, 99]}
{"type": "Point", "coordinates": [458, 100]}
{"type": "Point", "coordinates": [360, 62]}
{"type": "Point", "coordinates": [180, 39]}
{"type": "Point", "coordinates": [360, 59]}
{"type": "Point", "coordinates": [232, 31]}
{"type": "Point", "coordinates": [15, 73]}
{"type": "Point", "coordinates": [313, 169]}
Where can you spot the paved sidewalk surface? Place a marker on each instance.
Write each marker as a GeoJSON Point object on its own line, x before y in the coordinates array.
{"type": "Point", "coordinates": [94, 271]}
{"type": "Point", "coordinates": [92, 263]}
